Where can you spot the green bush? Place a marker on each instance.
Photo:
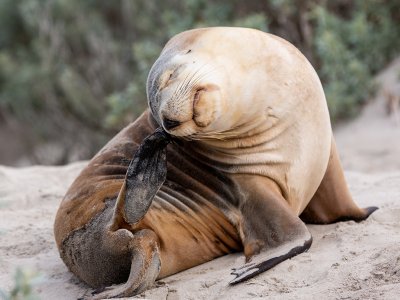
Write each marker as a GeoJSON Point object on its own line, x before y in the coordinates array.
{"type": "Point", "coordinates": [351, 49]}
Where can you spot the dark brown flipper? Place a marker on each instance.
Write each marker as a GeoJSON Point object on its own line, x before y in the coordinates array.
{"type": "Point", "coordinates": [332, 202]}
{"type": "Point", "coordinates": [271, 232]}
{"type": "Point", "coordinates": [146, 174]}
{"type": "Point", "coordinates": [145, 267]}
{"type": "Point", "coordinates": [265, 261]}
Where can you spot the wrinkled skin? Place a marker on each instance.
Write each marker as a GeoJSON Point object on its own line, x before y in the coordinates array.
{"type": "Point", "coordinates": [252, 159]}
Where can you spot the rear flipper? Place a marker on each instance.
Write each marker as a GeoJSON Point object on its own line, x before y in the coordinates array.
{"type": "Point", "coordinates": [332, 201]}
{"type": "Point", "coordinates": [146, 174]}
{"type": "Point", "coordinates": [270, 231]}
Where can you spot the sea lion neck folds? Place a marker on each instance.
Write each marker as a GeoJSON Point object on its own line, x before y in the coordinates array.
{"type": "Point", "coordinates": [252, 157]}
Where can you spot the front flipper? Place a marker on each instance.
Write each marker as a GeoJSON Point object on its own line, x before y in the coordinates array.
{"type": "Point", "coordinates": [270, 231]}
{"type": "Point", "coordinates": [268, 259]}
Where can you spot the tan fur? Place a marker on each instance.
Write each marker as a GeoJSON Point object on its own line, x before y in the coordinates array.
{"type": "Point", "coordinates": [253, 149]}
{"type": "Point", "coordinates": [282, 108]}
{"type": "Point", "coordinates": [332, 201]}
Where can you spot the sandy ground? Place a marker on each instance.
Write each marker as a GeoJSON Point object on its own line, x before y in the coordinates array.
{"type": "Point", "coordinates": [347, 260]}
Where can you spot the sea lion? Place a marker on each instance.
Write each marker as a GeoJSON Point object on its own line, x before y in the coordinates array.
{"type": "Point", "coordinates": [245, 148]}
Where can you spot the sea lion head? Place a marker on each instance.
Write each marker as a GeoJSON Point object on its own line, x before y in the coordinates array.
{"type": "Point", "coordinates": [224, 83]}
{"type": "Point", "coordinates": [188, 89]}
{"type": "Point", "coordinates": [184, 94]}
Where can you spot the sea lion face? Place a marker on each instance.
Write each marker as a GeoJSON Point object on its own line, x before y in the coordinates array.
{"type": "Point", "coordinates": [186, 95]}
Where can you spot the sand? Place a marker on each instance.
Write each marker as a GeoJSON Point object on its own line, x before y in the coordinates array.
{"type": "Point", "coordinates": [347, 260]}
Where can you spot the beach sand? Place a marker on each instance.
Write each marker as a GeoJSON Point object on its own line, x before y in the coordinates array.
{"type": "Point", "coordinates": [347, 260]}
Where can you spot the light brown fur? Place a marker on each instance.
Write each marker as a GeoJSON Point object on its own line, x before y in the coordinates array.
{"type": "Point", "coordinates": [252, 151]}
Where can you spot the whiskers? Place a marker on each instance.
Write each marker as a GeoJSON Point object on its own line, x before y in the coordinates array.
{"type": "Point", "coordinates": [216, 135]}
{"type": "Point", "coordinates": [243, 130]}
{"type": "Point", "coordinates": [191, 83]}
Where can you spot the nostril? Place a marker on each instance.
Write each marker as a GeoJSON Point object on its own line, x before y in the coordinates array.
{"type": "Point", "coordinates": [169, 124]}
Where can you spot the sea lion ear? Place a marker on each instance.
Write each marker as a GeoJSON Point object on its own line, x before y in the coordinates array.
{"type": "Point", "coordinates": [205, 104]}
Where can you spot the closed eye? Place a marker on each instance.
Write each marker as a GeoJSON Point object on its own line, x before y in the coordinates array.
{"type": "Point", "coordinates": [166, 78]}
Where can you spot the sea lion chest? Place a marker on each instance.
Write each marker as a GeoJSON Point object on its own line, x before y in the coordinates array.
{"type": "Point", "coordinates": [291, 149]}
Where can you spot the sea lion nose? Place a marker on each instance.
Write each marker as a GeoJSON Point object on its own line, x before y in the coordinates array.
{"type": "Point", "coordinates": [169, 124]}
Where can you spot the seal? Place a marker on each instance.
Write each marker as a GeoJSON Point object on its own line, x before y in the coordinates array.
{"type": "Point", "coordinates": [244, 157]}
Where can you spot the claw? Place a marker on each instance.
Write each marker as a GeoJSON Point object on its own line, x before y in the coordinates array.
{"type": "Point", "coordinates": [240, 276]}
{"type": "Point", "coordinates": [267, 260]}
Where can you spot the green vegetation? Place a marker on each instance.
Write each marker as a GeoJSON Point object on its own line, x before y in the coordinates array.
{"type": "Point", "coordinates": [24, 281]}
{"type": "Point", "coordinates": [351, 48]}
{"type": "Point", "coordinates": [79, 66]}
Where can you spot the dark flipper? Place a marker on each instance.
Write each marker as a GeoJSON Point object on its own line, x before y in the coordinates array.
{"type": "Point", "coordinates": [269, 259]}
{"type": "Point", "coordinates": [146, 174]}
{"type": "Point", "coordinates": [271, 232]}
{"type": "Point", "coordinates": [145, 267]}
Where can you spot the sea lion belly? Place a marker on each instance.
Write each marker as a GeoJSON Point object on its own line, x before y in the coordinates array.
{"type": "Point", "coordinates": [190, 232]}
